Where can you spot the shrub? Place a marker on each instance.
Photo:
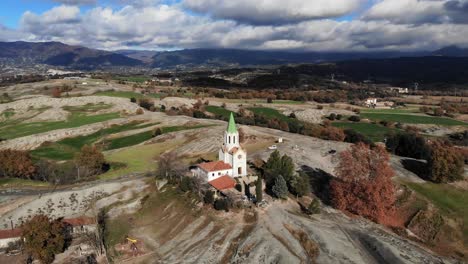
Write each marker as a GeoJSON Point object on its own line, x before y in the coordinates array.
{"type": "Point", "coordinates": [209, 197]}
{"type": "Point", "coordinates": [314, 207]}
{"type": "Point", "coordinates": [133, 100]}
{"type": "Point", "coordinates": [332, 116]}
{"type": "Point", "coordinates": [332, 133]}
{"type": "Point", "coordinates": [354, 118]}
{"type": "Point", "coordinates": [146, 103]}
{"type": "Point", "coordinates": [186, 184]}
{"type": "Point", "coordinates": [139, 111]}
{"type": "Point", "coordinates": [221, 204]}
{"type": "Point", "coordinates": [156, 132]}
{"type": "Point", "coordinates": [352, 136]}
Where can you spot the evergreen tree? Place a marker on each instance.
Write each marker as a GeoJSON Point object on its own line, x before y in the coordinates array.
{"type": "Point", "coordinates": [280, 189]}
{"type": "Point", "coordinates": [259, 189]}
{"type": "Point", "coordinates": [300, 185]}
{"type": "Point", "coordinates": [287, 168]}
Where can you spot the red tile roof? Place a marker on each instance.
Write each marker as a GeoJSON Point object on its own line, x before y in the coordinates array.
{"type": "Point", "coordinates": [214, 166]}
{"type": "Point", "coordinates": [80, 221]}
{"type": "Point", "coordinates": [223, 183]}
{"type": "Point", "coordinates": [10, 233]}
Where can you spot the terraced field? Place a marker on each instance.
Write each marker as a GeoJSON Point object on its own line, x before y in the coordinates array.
{"type": "Point", "coordinates": [413, 119]}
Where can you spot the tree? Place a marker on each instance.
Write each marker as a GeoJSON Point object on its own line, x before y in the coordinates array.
{"type": "Point", "coordinates": [43, 238]}
{"type": "Point", "coordinates": [286, 168]}
{"type": "Point", "coordinates": [280, 189]}
{"type": "Point", "coordinates": [363, 185]}
{"type": "Point", "coordinates": [354, 118]}
{"type": "Point", "coordinates": [408, 145]}
{"type": "Point", "coordinates": [446, 164]}
{"type": "Point", "coordinates": [332, 133]}
{"type": "Point", "coordinates": [300, 185]}
{"type": "Point", "coordinates": [89, 161]}
{"type": "Point", "coordinates": [16, 164]}
{"type": "Point", "coordinates": [314, 207]}
{"type": "Point", "coordinates": [221, 204]}
{"type": "Point", "coordinates": [259, 189]}
{"type": "Point", "coordinates": [133, 100]}
{"type": "Point", "coordinates": [209, 197]}
{"type": "Point", "coordinates": [186, 184]}
{"type": "Point", "coordinates": [352, 136]}
{"type": "Point", "coordinates": [156, 132]}
{"type": "Point", "coordinates": [167, 166]}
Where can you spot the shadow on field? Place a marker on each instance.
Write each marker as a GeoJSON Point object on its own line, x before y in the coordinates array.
{"type": "Point", "coordinates": [418, 167]}
{"type": "Point", "coordinates": [319, 182]}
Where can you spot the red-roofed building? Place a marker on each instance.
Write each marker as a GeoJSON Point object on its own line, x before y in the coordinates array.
{"type": "Point", "coordinates": [213, 170]}
{"type": "Point", "coordinates": [223, 183]}
{"type": "Point", "coordinates": [9, 236]}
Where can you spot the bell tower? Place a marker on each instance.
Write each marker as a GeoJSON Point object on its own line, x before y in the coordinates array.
{"type": "Point", "coordinates": [231, 135]}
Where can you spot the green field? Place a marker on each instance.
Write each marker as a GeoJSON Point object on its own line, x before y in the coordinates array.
{"type": "Point", "coordinates": [373, 131]}
{"type": "Point", "coordinates": [142, 137]}
{"type": "Point", "coordinates": [137, 159]}
{"type": "Point", "coordinates": [87, 108]}
{"type": "Point", "coordinates": [10, 130]}
{"type": "Point", "coordinates": [413, 119]}
{"type": "Point", "coordinates": [67, 148]}
{"type": "Point", "coordinates": [257, 101]}
{"type": "Point", "coordinates": [218, 111]}
{"type": "Point", "coordinates": [121, 94]}
{"type": "Point", "coordinates": [137, 79]}
{"type": "Point", "coordinates": [269, 113]}
{"type": "Point", "coordinates": [450, 200]}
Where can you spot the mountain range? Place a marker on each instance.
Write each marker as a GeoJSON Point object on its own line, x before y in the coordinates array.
{"type": "Point", "coordinates": [78, 57]}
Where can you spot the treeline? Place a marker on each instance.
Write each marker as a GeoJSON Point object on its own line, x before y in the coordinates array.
{"type": "Point", "coordinates": [19, 164]}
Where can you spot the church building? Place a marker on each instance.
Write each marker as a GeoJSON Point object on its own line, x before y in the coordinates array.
{"type": "Point", "coordinates": [232, 160]}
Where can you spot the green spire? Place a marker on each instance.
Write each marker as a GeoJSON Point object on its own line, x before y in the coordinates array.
{"type": "Point", "coordinates": [232, 125]}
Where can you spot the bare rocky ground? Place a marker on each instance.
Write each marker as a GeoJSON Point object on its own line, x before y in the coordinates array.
{"type": "Point", "coordinates": [234, 237]}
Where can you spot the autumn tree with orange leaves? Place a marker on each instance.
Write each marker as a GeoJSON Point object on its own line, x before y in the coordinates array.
{"type": "Point", "coordinates": [16, 164]}
{"type": "Point", "coordinates": [363, 185]}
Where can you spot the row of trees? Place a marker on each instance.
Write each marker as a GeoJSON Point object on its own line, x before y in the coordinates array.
{"type": "Point", "coordinates": [445, 163]}
{"type": "Point", "coordinates": [19, 164]}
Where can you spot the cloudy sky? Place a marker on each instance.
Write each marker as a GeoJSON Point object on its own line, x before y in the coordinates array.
{"type": "Point", "coordinates": [319, 25]}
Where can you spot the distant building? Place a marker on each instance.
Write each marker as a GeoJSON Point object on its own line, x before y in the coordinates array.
{"type": "Point", "coordinates": [371, 102]}
{"type": "Point", "coordinates": [399, 90]}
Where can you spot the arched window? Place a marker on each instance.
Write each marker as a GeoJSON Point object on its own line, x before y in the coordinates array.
{"type": "Point", "coordinates": [229, 139]}
{"type": "Point", "coordinates": [234, 138]}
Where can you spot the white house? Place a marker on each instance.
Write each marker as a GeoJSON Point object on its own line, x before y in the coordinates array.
{"type": "Point", "coordinates": [232, 160]}
{"type": "Point", "coordinates": [371, 102]}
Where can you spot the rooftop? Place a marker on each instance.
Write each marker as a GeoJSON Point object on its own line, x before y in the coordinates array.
{"type": "Point", "coordinates": [223, 183]}
{"type": "Point", "coordinates": [214, 166]}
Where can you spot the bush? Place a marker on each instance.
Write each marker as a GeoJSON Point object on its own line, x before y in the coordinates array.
{"type": "Point", "coordinates": [221, 204]}
{"type": "Point", "coordinates": [332, 116]}
{"type": "Point", "coordinates": [352, 136]}
{"type": "Point", "coordinates": [133, 100]}
{"type": "Point", "coordinates": [332, 133]}
{"type": "Point", "coordinates": [156, 132]}
{"type": "Point", "coordinates": [139, 111]}
{"type": "Point", "coordinates": [354, 118]}
{"type": "Point", "coordinates": [146, 103]}
{"type": "Point", "coordinates": [314, 207]}
{"type": "Point", "coordinates": [209, 197]}
{"type": "Point", "coordinates": [186, 184]}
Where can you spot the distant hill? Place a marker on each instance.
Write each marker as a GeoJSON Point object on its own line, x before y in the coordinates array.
{"type": "Point", "coordinates": [451, 51]}
{"type": "Point", "coordinates": [142, 55]}
{"type": "Point", "coordinates": [59, 54]}
{"type": "Point", "coordinates": [233, 57]}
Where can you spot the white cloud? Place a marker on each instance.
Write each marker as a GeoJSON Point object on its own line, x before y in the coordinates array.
{"type": "Point", "coordinates": [76, 2]}
{"type": "Point", "coordinates": [273, 11]}
{"type": "Point", "coordinates": [169, 26]}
